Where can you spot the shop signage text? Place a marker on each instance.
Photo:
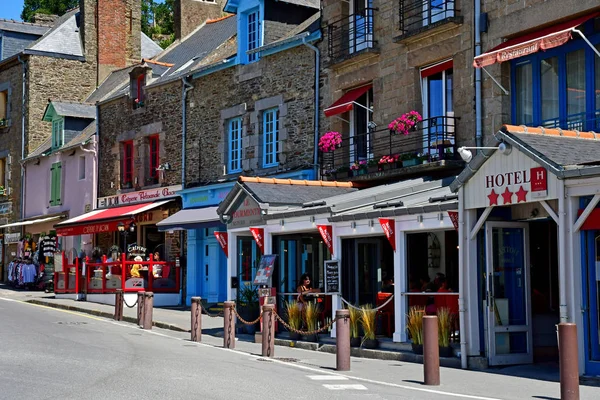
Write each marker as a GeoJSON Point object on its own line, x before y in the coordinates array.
{"type": "Point", "coordinates": [136, 250]}
{"type": "Point", "coordinates": [326, 232]}
{"type": "Point", "coordinates": [332, 276]}
{"type": "Point", "coordinates": [12, 237]}
{"type": "Point", "coordinates": [389, 228]}
{"type": "Point", "coordinates": [454, 218]}
{"type": "Point", "coordinates": [90, 229]}
{"type": "Point", "coordinates": [534, 179]}
{"type": "Point", "coordinates": [259, 238]}
{"type": "Point", "coordinates": [247, 214]}
{"type": "Point", "coordinates": [222, 239]}
{"type": "Point", "coordinates": [139, 196]}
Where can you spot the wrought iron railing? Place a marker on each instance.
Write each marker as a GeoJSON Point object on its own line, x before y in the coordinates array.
{"type": "Point", "coordinates": [416, 15]}
{"type": "Point", "coordinates": [579, 122]}
{"type": "Point", "coordinates": [351, 34]}
{"type": "Point", "coordinates": [430, 140]}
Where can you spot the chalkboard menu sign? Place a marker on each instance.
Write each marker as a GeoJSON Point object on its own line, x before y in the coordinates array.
{"type": "Point", "coordinates": [332, 276]}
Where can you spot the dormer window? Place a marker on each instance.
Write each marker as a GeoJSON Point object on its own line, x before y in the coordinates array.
{"type": "Point", "coordinates": [58, 132]}
{"type": "Point", "coordinates": [138, 83]}
{"type": "Point", "coordinates": [254, 34]}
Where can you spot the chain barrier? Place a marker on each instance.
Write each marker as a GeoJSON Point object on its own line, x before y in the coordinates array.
{"type": "Point", "coordinates": [242, 320]}
{"type": "Point", "coordinates": [205, 311]}
{"type": "Point", "coordinates": [129, 306]}
{"type": "Point", "coordinates": [304, 333]}
{"type": "Point", "coordinates": [229, 329]}
{"type": "Point", "coordinates": [374, 309]}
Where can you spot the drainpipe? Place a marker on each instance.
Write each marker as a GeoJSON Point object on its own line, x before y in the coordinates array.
{"type": "Point", "coordinates": [463, 261]}
{"type": "Point", "coordinates": [94, 153]}
{"type": "Point", "coordinates": [23, 99]}
{"type": "Point", "coordinates": [317, 77]}
{"type": "Point", "coordinates": [478, 105]}
{"type": "Point", "coordinates": [186, 87]}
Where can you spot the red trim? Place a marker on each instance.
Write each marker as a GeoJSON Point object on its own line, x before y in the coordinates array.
{"type": "Point", "coordinates": [140, 87]}
{"type": "Point", "coordinates": [437, 68]}
{"type": "Point", "coordinates": [592, 223]}
{"type": "Point", "coordinates": [154, 156]}
{"type": "Point", "coordinates": [544, 39]}
{"type": "Point", "coordinates": [346, 102]}
{"type": "Point", "coordinates": [127, 166]}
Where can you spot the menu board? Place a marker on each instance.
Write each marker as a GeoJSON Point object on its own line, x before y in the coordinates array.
{"type": "Point", "coordinates": [332, 276]}
{"type": "Point", "coordinates": [265, 270]}
{"type": "Point", "coordinates": [58, 262]}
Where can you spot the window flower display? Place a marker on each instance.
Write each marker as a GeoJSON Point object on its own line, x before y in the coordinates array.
{"type": "Point", "coordinates": [391, 159]}
{"type": "Point", "coordinates": [362, 164]}
{"type": "Point", "coordinates": [330, 141]}
{"type": "Point", "coordinates": [405, 123]}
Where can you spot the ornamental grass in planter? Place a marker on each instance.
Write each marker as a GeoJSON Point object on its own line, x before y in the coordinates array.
{"type": "Point", "coordinates": [368, 317]}
{"type": "Point", "coordinates": [311, 319]}
{"type": "Point", "coordinates": [294, 317]}
{"type": "Point", "coordinates": [414, 324]}
{"type": "Point", "coordinates": [355, 314]}
{"type": "Point", "coordinates": [445, 321]}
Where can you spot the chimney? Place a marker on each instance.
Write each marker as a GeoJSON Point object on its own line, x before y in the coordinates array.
{"type": "Point", "coordinates": [111, 34]}
{"type": "Point", "coordinates": [44, 19]}
{"type": "Point", "coordinates": [189, 14]}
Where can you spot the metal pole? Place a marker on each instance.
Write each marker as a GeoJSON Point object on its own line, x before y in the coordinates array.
{"type": "Point", "coordinates": [196, 319]}
{"type": "Point", "coordinates": [431, 350]}
{"type": "Point", "coordinates": [342, 340]}
{"type": "Point", "coordinates": [569, 363]}
{"type": "Point", "coordinates": [268, 334]}
{"type": "Point", "coordinates": [119, 305]}
{"type": "Point", "coordinates": [140, 306]}
{"type": "Point", "coordinates": [229, 326]}
{"type": "Point", "coordinates": [148, 306]}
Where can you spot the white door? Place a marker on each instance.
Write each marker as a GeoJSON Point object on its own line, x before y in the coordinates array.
{"type": "Point", "coordinates": [508, 294]}
{"type": "Point", "coordinates": [211, 271]}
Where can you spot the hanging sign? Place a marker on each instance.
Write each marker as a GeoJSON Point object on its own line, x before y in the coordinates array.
{"type": "Point", "coordinates": [265, 270]}
{"type": "Point", "coordinates": [326, 232]}
{"type": "Point", "coordinates": [222, 239]}
{"type": "Point", "coordinates": [389, 228]}
{"type": "Point", "coordinates": [259, 238]}
{"type": "Point", "coordinates": [454, 218]}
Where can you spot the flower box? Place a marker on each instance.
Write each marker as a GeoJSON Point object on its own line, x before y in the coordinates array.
{"type": "Point", "coordinates": [410, 163]}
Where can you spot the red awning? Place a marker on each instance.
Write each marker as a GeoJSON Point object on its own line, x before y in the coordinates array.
{"type": "Point", "coordinates": [105, 220]}
{"type": "Point", "coordinates": [548, 38]}
{"type": "Point", "coordinates": [346, 102]}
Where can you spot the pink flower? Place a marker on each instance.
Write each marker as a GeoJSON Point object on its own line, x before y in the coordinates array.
{"type": "Point", "coordinates": [404, 123]}
{"type": "Point", "coordinates": [330, 141]}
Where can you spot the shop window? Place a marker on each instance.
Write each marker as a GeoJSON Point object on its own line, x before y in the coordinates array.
{"type": "Point", "coordinates": [81, 168]}
{"type": "Point", "coordinates": [3, 108]}
{"type": "Point", "coordinates": [55, 184]}
{"type": "Point", "coordinates": [127, 165]}
{"type": "Point", "coordinates": [234, 129]}
{"type": "Point", "coordinates": [271, 137]}
{"type": "Point", "coordinates": [153, 160]}
{"type": "Point", "coordinates": [58, 132]}
{"type": "Point", "coordinates": [558, 88]}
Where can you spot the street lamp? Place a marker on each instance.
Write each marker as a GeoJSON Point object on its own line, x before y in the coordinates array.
{"type": "Point", "coordinates": [467, 156]}
{"type": "Point", "coordinates": [124, 232]}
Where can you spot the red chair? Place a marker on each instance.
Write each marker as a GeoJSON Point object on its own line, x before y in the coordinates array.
{"type": "Point", "coordinates": [387, 312]}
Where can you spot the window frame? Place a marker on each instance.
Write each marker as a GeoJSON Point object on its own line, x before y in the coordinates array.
{"type": "Point", "coordinates": [82, 168]}
{"type": "Point", "coordinates": [58, 134]}
{"type": "Point", "coordinates": [251, 44]}
{"type": "Point", "coordinates": [360, 138]}
{"type": "Point", "coordinates": [6, 110]}
{"type": "Point", "coordinates": [271, 137]}
{"type": "Point", "coordinates": [127, 163]}
{"type": "Point", "coordinates": [234, 164]}
{"type": "Point", "coordinates": [153, 156]}
{"type": "Point", "coordinates": [3, 169]}
{"type": "Point", "coordinates": [55, 184]}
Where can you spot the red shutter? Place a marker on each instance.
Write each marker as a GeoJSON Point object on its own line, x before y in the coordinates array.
{"type": "Point", "coordinates": [154, 156]}
{"type": "Point", "coordinates": [128, 162]}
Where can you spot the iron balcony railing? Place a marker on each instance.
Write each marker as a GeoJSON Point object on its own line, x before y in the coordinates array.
{"type": "Point", "coordinates": [351, 34]}
{"type": "Point", "coordinates": [430, 140]}
{"type": "Point", "coordinates": [579, 122]}
{"type": "Point", "coordinates": [416, 15]}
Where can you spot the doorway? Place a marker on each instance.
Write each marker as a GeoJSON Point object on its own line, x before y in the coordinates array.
{"type": "Point", "coordinates": [591, 302]}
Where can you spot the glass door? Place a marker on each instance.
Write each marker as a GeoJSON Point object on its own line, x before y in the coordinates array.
{"type": "Point", "coordinates": [591, 304]}
{"type": "Point", "coordinates": [509, 331]}
{"type": "Point", "coordinates": [368, 270]}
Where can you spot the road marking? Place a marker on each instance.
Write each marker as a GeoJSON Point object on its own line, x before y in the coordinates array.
{"type": "Point", "coordinates": [345, 387]}
{"type": "Point", "coordinates": [327, 378]}
{"type": "Point", "coordinates": [79, 314]}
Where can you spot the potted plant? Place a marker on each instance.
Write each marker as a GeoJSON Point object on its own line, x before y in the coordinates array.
{"type": "Point", "coordinates": [3, 122]}
{"type": "Point", "coordinates": [368, 318]}
{"type": "Point", "coordinates": [330, 141]}
{"type": "Point", "coordinates": [386, 162]}
{"type": "Point", "coordinates": [359, 167]}
{"type": "Point", "coordinates": [341, 171]}
{"type": "Point", "coordinates": [409, 159]}
{"type": "Point", "coordinates": [2, 190]}
{"type": "Point", "coordinates": [330, 173]}
{"type": "Point", "coordinates": [247, 306]}
{"type": "Point", "coordinates": [354, 321]}
{"type": "Point", "coordinates": [372, 165]}
{"type": "Point", "coordinates": [405, 123]}
{"type": "Point", "coordinates": [445, 320]}
{"type": "Point", "coordinates": [414, 324]}
{"type": "Point", "coordinates": [311, 319]}
{"type": "Point", "coordinates": [294, 316]}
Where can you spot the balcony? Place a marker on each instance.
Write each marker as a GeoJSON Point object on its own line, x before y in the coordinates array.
{"type": "Point", "coordinates": [422, 18]}
{"type": "Point", "coordinates": [574, 122]}
{"type": "Point", "coordinates": [429, 149]}
{"type": "Point", "coordinates": [351, 36]}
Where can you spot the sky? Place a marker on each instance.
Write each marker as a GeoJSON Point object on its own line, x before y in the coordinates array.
{"type": "Point", "coordinates": [11, 9]}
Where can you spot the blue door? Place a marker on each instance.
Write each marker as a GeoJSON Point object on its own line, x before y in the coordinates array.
{"type": "Point", "coordinates": [591, 302]}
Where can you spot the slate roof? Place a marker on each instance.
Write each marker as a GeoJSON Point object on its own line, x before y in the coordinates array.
{"type": "Point", "coordinates": [567, 154]}
{"type": "Point", "coordinates": [46, 145]}
{"type": "Point", "coordinates": [76, 110]}
{"type": "Point", "coordinates": [63, 38]}
{"type": "Point", "coordinates": [113, 82]}
{"type": "Point", "coordinates": [149, 47]}
{"type": "Point", "coordinates": [23, 27]}
{"type": "Point", "coordinates": [42, 148]}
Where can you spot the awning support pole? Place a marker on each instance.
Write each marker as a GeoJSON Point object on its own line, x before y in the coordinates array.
{"type": "Point", "coordinates": [480, 222]}
{"type": "Point", "coordinates": [549, 210]}
{"type": "Point", "coordinates": [506, 92]}
{"type": "Point", "coordinates": [586, 213]}
{"type": "Point", "coordinates": [587, 41]}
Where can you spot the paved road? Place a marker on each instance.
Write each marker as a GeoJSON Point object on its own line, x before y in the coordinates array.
{"type": "Point", "coordinates": [52, 354]}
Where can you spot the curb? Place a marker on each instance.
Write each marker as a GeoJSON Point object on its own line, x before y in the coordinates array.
{"type": "Point", "coordinates": [105, 314]}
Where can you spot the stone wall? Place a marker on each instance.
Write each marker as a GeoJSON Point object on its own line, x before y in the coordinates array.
{"type": "Point", "coordinates": [190, 14]}
{"type": "Point", "coordinates": [161, 114]}
{"type": "Point", "coordinates": [285, 81]}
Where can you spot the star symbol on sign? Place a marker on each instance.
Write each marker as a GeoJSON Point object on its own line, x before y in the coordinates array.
{"type": "Point", "coordinates": [493, 198]}
{"type": "Point", "coordinates": [521, 195]}
{"type": "Point", "coordinates": [507, 196]}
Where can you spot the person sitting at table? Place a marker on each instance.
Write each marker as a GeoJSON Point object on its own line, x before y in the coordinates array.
{"type": "Point", "coordinates": [156, 268]}
{"type": "Point", "coordinates": [135, 268]}
{"type": "Point", "coordinates": [305, 288]}
{"type": "Point", "coordinates": [443, 286]}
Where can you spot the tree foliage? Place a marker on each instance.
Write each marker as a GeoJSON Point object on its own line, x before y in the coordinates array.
{"type": "Point", "coordinates": [157, 21]}
{"type": "Point", "coordinates": [58, 7]}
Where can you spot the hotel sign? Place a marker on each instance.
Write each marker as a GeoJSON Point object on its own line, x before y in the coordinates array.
{"type": "Point", "coordinates": [516, 186]}
{"type": "Point", "coordinates": [140, 196]}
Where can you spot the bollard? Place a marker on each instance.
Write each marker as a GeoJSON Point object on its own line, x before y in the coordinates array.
{"type": "Point", "coordinates": [140, 307]}
{"type": "Point", "coordinates": [431, 350]}
{"type": "Point", "coordinates": [268, 333]}
{"type": "Point", "coordinates": [196, 319]}
{"type": "Point", "coordinates": [229, 326]}
{"type": "Point", "coordinates": [569, 362]}
{"type": "Point", "coordinates": [148, 307]}
{"type": "Point", "coordinates": [119, 305]}
{"type": "Point", "coordinates": [342, 340]}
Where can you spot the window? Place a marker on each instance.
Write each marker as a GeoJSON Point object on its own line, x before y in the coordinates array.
{"type": "Point", "coordinates": [271, 137]}
{"type": "Point", "coordinates": [361, 25]}
{"type": "Point", "coordinates": [3, 177]}
{"type": "Point", "coordinates": [127, 166]}
{"type": "Point", "coordinates": [360, 119]}
{"type": "Point", "coordinates": [81, 168]}
{"type": "Point", "coordinates": [58, 132]}
{"type": "Point", "coordinates": [235, 145]}
{"type": "Point", "coordinates": [55, 175]}
{"type": "Point", "coordinates": [137, 82]}
{"type": "Point", "coordinates": [254, 34]}
{"type": "Point", "coordinates": [140, 89]}
{"type": "Point", "coordinates": [3, 107]}
{"type": "Point", "coordinates": [154, 159]}
{"type": "Point", "coordinates": [438, 110]}
{"type": "Point", "coordinates": [437, 10]}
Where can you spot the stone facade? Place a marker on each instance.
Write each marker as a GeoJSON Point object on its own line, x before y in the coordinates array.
{"type": "Point", "coordinates": [284, 81]}
{"type": "Point", "coordinates": [190, 14]}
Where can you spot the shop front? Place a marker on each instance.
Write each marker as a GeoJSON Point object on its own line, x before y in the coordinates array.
{"type": "Point", "coordinates": [130, 252]}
